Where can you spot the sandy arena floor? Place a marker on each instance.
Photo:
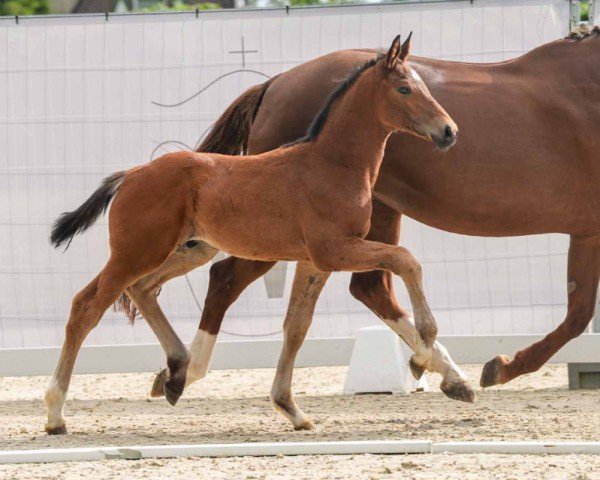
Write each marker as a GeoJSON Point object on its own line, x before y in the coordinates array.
{"type": "Point", "coordinates": [232, 406]}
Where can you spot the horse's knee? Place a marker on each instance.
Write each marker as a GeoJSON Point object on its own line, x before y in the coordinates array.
{"type": "Point", "coordinates": [407, 263]}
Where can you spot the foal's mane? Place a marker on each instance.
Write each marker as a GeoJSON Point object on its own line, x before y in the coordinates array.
{"type": "Point", "coordinates": [318, 122]}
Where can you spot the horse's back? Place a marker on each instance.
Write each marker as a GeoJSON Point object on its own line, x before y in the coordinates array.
{"type": "Point", "coordinates": [526, 144]}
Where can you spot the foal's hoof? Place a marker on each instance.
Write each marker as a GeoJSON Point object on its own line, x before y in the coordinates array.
{"type": "Point", "coordinates": [159, 384]}
{"type": "Point", "coordinates": [60, 430]}
{"type": "Point", "coordinates": [173, 390]}
{"type": "Point", "coordinates": [417, 370]}
{"type": "Point", "coordinates": [459, 391]}
{"type": "Point", "coordinates": [491, 374]}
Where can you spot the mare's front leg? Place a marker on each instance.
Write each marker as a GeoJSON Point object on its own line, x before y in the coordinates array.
{"type": "Point", "coordinates": [308, 283]}
{"type": "Point", "coordinates": [376, 290]}
{"type": "Point", "coordinates": [583, 275]}
{"type": "Point", "coordinates": [338, 253]}
{"type": "Point", "coordinates": [228, 279]}
{"type": "Point", "coordinates": [144, 293]}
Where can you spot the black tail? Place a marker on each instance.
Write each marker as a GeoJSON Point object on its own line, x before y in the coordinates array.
{"type": "Point", "coordinates": [70, 224]}
{"type": "Point", "coordinates": [229, 135]}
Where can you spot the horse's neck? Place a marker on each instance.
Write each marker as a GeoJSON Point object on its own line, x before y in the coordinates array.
{"type": "Point", "coordinates": [353, 134]}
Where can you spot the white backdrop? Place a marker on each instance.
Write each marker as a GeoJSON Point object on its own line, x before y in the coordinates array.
{"type": "Point", "coordinates": [81, 97]}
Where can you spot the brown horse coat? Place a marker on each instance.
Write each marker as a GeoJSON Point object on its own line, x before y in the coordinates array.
{"type": "Point", "coordinates": [527, 162]}
{"type": "Point", "coordinates": [309, 201]}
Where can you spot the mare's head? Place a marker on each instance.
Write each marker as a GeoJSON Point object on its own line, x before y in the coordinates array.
{"type": "Point", "coordinates": [405, 103]}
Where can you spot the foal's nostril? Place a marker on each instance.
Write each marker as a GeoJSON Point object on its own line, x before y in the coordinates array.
{"type": "Point", "coordinates": [448, 131]}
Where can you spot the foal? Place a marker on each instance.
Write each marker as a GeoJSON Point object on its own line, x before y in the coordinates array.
{"type": "Point", "coordinates": [309, 201]}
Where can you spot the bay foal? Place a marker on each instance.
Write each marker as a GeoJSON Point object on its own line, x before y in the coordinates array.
{"type": "Point", "coordinates": [309, 201]}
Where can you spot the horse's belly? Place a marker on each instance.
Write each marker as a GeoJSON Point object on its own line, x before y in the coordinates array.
{"type": "Point", "coordinates": [490, 214]}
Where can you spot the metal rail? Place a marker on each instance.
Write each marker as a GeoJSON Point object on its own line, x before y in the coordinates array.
{"type": "Point", "coordinates": [201, 13]}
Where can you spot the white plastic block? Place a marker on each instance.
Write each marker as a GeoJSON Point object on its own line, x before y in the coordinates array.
{"type": "Point", "coordinates": [379, 364]}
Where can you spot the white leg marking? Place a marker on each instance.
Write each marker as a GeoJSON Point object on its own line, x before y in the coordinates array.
{"type": "Point", "coordinates": [201, 351]}
{"type": "Point", "coordinates": [440, 360]}
{"type": "Point", "coordinates": [55, 401]}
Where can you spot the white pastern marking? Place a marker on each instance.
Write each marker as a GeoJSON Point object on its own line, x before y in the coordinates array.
{"type": "Point", "coordinates": [201, 351]}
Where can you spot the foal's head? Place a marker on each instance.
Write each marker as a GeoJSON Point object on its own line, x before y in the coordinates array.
{"type": "Point", "coordinates": [405, 103]}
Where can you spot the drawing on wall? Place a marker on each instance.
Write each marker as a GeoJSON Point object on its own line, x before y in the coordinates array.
{"type": "Point", "coordinates": [274, 280]}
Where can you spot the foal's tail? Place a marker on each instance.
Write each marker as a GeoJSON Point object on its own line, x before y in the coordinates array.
{"type": "Point", "coordinates": [70, 224]}
{"type": "Point", "coordinates": [229, 135]}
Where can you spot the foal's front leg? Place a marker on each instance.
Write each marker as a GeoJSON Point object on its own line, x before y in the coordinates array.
{"type": "Point", "coordinates": [308, 283]}
{"type": "Point", "coordinates": [376, 290]}
{"type": "Point", "coordinates": [357, 255]}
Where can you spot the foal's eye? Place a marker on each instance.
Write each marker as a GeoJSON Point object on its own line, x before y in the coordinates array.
{"type": "Point", "coordinates": [404, 90]}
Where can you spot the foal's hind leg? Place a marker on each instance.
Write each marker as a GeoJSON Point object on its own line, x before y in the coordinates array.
{"type": "Point", "coordinates": [127, 263]}
{"type": "Point", "coordinates": [308, 283]}
{"type": "Point", "coordinates": [583, 275]}
{"type": "Point", "coordinates": [88, 307]}
{"type": "Point", "coordinates": [144, 293]}
{"type": "Point", "coordinates": [228, 279]}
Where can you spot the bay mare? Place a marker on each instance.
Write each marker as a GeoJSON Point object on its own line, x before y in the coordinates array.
{"type": "Point", "coordinates": [309, 201]}
{"type": "Point", "coordinates": [527, 162]}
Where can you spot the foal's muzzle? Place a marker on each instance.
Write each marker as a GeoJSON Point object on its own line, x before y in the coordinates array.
{"type": "Point", "coordinates": [447, 137]}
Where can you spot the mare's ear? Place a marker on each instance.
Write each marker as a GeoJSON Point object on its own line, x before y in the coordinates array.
{"type": "Point", "coordinates": [405, 49]}
{"type": "Point", "coordinates": [393, 53]}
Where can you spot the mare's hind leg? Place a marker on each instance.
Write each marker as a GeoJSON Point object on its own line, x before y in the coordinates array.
{"type": "Point", "coordinates": [583, 275]}
{"type": "Point", "coordinates": [228, 279]}
{"type": "Point", "coordinates": [308, 283]}
{"type": "Point", "coordinates": [144, 294]}
{"type": "Point", "coordinates": [376, 290]}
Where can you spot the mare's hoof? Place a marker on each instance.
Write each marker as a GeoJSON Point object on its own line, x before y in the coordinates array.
{"type": "Point", "coordinates": [459, 391]}
{"type": "Point", "coordinates": [61, 430]}
{"type": "Point", "coordinates": [490, 374]}
{"type": "Point", "coordinates": [305, 425]}
{"type": "Point", "coordinates": [159, 384]}
{"type": "Point", "coordinates": [417, 370]}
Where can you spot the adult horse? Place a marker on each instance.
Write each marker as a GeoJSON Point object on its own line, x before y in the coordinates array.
{"type": "Point", "coordinates": [527, 163]}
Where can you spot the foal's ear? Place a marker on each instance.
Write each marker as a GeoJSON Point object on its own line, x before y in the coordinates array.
{"type": "Point", "coordinates": [393, 53]}
{"type": "Point", "coordinates": [405, 49]}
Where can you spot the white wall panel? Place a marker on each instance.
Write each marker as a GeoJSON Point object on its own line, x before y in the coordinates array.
{"type": "Point", "coordinates": [80, 98]}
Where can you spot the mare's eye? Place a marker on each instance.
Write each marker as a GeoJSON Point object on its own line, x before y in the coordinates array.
{"type": "Point", "coordinates": [404, 90]}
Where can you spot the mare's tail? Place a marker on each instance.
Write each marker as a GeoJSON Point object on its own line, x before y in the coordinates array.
{"type": "Point", "coordinates": [229, 135]}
